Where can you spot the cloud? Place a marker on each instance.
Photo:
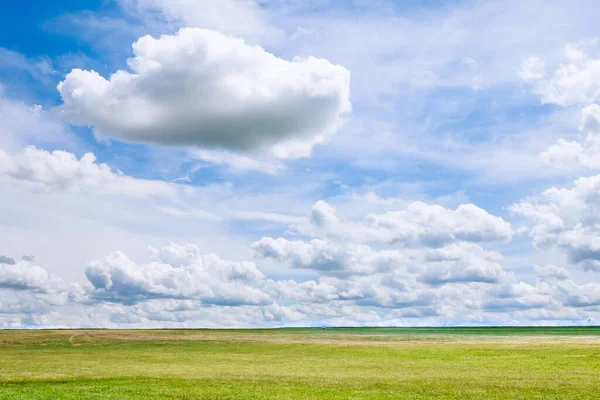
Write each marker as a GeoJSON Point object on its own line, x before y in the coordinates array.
{"type": "Point", "coordinates": [317, 255]}
{"type": "Point", "coordinates": [26, 276]}
{"type": "Point", "coordinates": [568, 219]}
{"type": "Point", "coordinates": [204, 89]}
{"type": "Point", "coordinates": [239, 163]}
{"type": "Point", "coordinates": [574, 82]}
{"type": "Point", "coordinates": [432, 224]}
{"type": "Point", "coordinates": [29, 292]}
{"type": "Point", "coordinates": [309, 292]}
{"type": "Point", "coordinates": [267, 217]}
{"type": "Point", "coordinates": [422, 278]}
{"type": "Point", "coordinates": [189, 213]}
{"type": "Point", "coordinates": [419, 224]}
{"type": "Point", "coordinates": [181, 287]}
{"type": "Point", "coordinates": [585, 153]}
{"type": "Point", "coordinates": [517, 297]}
{"type": "Point", "coordinates": [461, 262]}
{"type": "Point", "coordinates": [436, 245]}
{"type": "Point", "coordinates": [177, 272]}
{"type": "Point", "coordinates": [62, 170]}
{"type": "Point", "coordinates": [28, 124]}
{"type": "Point", "coordinates": [580, 296]}
{"type": "Point", "coordinates": [552, 272]}
{"type": "Point", "coordinates": [532, 69]}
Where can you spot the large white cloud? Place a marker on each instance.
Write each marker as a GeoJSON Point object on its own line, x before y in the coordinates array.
{"type": "Point", "coordinates": [64, 171]}
{"type": "Point", "coordinates": [568, 219]}
{"type": "Point", "coordinates": [205, 89]}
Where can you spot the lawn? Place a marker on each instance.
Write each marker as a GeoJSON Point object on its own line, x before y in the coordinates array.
{"type": "Point", "coordinates": [363, 363]}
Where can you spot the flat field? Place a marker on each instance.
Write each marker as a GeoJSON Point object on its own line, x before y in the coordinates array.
{"type": "Point", "coordinates": [336, 363]}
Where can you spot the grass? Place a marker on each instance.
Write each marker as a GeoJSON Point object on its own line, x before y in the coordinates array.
{"type": "Point", "coordinates": [362, 363]}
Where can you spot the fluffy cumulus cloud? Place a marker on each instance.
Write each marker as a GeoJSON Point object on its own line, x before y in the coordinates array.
{"type": "Point", "coordinates": [323, 256]}
{"type": "Point", "coordinates": [554, 293]}
{"type": "Point", "coordinates": [29, 293]}
{"type": "Point", "coordinates": [409, 281]}
{"type": "Point", "coordinates": [181, 287]}
{"type": "Point", "coordinates": [205, 89]}
{"type": "Point", "coordinates": [425, 247]}
{"type": "Point", "coordinates": [460, 262]}
{"type": "Point", "coordinates": [552, 271]}
{"type": "Point", "coordinates": [450, 279]}
{"type": "Point", "coordinates": [177, 272]}
{"type": "Point", "coordinates": [420, 224]}
{"type": "Point", "coordinates": [567, 218]}
{"type": "Point", "coordinates": [453, 279]}
{"type": "Point", "coordinates": [586, 151]}
{"type": "Point", "coordinates": [62, 170]}
{"type": "Point", "coordinates": [574, 82]}
{"type": "Point", "coordinates": [24, 276]}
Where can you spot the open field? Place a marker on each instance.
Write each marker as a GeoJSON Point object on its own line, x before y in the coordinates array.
{"type": "Point", "coordinates": [370, 363]}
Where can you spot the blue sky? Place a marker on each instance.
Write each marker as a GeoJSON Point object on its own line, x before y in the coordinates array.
{"type": "Point", "coordinates": [270, 163]}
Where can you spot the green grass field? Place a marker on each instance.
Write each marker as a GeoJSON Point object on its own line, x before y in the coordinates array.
{"type": "Point", "coordinates": [363, 363]}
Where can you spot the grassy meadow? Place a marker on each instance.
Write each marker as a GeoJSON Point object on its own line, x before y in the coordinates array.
{"type": "Point", "coordinates": [336, 363]}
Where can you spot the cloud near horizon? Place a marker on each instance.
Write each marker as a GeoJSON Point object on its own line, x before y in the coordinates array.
{"type": "Point", "coordinates": [455, 281]}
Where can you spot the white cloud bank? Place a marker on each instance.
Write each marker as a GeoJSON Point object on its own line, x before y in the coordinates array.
{"type": "Point", "coordinates": [180, 287]}
{"type": "Point", "coordinates": [204, 89]}
{"type": "Point", "coordinates": [454, 280]}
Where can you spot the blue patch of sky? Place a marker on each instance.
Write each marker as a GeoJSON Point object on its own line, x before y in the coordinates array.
{"type": "Point", "coordinates": [42, 37]}
{"type": "Point", "coordinates": [22, 25]}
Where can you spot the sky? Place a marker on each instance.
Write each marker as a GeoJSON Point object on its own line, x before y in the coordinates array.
{"type": "Point", "coordinates": [268, 163]}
